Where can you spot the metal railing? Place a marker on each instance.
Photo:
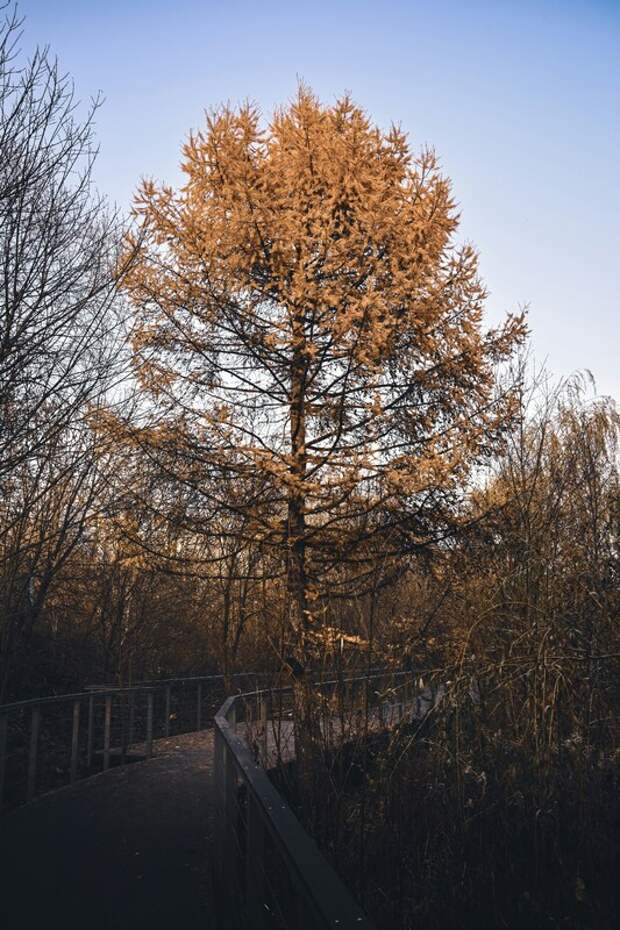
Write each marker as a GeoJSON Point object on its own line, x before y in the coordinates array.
{"type": "Point", "coordinates": [46, 743]}
{"type": "Point", "coordinates": [272, 870]}
{"type": "Point", "coordinates": [269, 866]}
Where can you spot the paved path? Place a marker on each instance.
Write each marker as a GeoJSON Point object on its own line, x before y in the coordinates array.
{"type": "Point", "coordinates": [124, 850]}
{"type": "Point", "coordinates": [129, 848]}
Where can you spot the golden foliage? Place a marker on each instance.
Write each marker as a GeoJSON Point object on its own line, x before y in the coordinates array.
{"type": "Point", "coordinates": [302, 314]}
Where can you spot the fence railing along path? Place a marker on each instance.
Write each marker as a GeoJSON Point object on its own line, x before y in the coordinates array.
{"type": "Point", "coordinates": [272, 869]}
{"type": "Point", "coordinates": [49, 742]}
{"type": "Point", "coordinates": [46, 743]}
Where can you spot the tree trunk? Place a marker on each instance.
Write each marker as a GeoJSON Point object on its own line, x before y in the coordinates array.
{"type": "Point", "coordinates": [296, 529]}
{"type": "Point", "coordinates": [306, 718]}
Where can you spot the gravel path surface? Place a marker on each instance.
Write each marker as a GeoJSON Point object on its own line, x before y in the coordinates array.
{"type": "Point", "coordinates": [128, 848]}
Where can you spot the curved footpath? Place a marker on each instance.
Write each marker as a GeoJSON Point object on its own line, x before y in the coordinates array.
{"type": "Point", "coordinates": [128, 848]}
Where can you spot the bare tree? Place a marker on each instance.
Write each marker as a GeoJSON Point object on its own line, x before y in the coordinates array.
{"type": "Point", "coordinates": [58, 258]}
{"type": "Point", "coordinates": [60, 333]}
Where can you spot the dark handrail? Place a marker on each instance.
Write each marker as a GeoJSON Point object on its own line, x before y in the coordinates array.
{"type": "Point", "coordinates": [325, 901]}
{"type": "Point", "coordinates": [143, 686]}
{"type": "Point", "coordinates": [101, 722]}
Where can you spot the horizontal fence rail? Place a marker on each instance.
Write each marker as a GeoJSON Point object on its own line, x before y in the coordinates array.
{"type": "Point", "coordinates": [270, 867]}
{"type": "Point", "coordinates": [49, 742]}
{"type": "Point", "coordinates": [46, 743]}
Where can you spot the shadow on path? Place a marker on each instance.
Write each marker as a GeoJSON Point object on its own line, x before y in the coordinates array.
{"type": "Point", "coordinates": [128, 848]}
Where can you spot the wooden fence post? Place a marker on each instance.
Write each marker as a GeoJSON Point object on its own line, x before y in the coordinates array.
{"type": "Point", "coordinates": [149, 724]}
{"type": "Point", "coordinates": [255, 863]}
{"type": "Point", "coordinates": [32, 755]}
{"type": "Point", "coordinates": [89, 735]}
{"type": "Point", "coordinates": [132, 720]}
{"type": "Point", "coordinates": [107, 726]}
{"type": "Point", "coordinates": [75, 737]}
{"type": "Point", "coordinates": [231, 808]}
{"type": "Point", "coordinates": [123, 698]}
{"type": "Point", "coordinates": [4, 728]}
{"type": "Point", "coordinates": [167, 712]}
{"type": "Point", "coordinates": [219, 775]}
{"type": "Point", "coordinates": [263, 722]}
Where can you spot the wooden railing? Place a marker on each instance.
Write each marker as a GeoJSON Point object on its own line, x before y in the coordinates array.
{"type": "Point", "coordinates": [46, 743]}
{"type": "Point", "coordinates": [267, 863]}
{"type": "Point", "coordinates": [273, 874]}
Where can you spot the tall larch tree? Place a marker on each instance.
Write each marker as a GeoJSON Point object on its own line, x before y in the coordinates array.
{"type": "Point", "coordinates": [306, 327]}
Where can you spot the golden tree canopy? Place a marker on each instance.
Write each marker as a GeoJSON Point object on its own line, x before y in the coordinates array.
{"type": "Point", "coordinates": [304, 318]}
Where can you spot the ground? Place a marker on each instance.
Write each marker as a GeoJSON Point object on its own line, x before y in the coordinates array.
{"type": "Point", "coordinates": [128, 848]}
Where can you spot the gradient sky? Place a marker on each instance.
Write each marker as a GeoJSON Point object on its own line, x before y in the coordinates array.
{"type": "Point", "coordinates": [521, 100]}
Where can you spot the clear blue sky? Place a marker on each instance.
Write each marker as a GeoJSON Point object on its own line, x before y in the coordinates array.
{"type": "Point", "coordinates": [521, 100]}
